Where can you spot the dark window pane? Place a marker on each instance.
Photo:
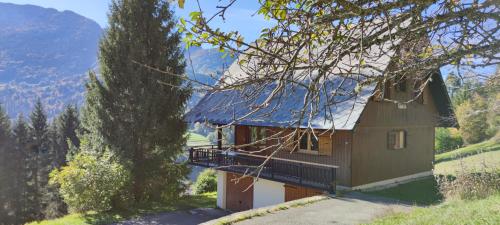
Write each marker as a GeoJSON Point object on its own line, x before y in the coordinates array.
{"type": "Point", "coordinates": [303, 142]}
{"type": "Point", "coordinates": [314, 143]}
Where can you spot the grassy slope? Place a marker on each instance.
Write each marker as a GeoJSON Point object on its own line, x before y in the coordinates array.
{"type": "Point", "coordinates": [425, 191]}
{"type": "Point", "coordinates": [195, 139]}
{"type": "Point", "coordinates": [470, 163]}
{"type": "Point", "coordinates": [421, 192]}
{"type": "Point", "coordinates": [485, 211]}
{"type": "Point", "coordinates": [207, 200]}
{"type": "Point", "coordinates": [486, 146]}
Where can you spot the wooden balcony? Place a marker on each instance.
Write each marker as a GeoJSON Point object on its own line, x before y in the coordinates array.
{"type": "Point", "coordinates": [301, 173]}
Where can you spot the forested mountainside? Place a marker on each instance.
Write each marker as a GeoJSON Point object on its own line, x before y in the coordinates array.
{"type": "Point", "coordinates": [46, 54]}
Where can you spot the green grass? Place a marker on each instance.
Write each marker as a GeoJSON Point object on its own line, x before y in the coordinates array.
{"type": "Point", "coordinates": [474, 149]}
{"type": "Point", "coordinates": [484, 211]}
{"type": "Point", "coordinates": [195, 139]}
{"type": "Point", "coordinates": [470, 163]}
{"type": "Point", "coordinates": [207, 200]}
{"type": "Point", "coordinates": [421, 192]}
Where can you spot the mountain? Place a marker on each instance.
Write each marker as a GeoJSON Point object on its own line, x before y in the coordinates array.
{"type": "Point", "coordinates": [46, 54]}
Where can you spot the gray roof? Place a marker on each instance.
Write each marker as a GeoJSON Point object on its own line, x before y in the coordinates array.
{"type": "Point", "coordinates": [340, 103]}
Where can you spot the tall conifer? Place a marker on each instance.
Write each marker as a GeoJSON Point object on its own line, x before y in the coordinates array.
{"type": "Point", "coordinates": [136, 110]}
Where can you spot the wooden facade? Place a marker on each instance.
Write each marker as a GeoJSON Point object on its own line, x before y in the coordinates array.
{"type": "Point", "coordinates": [239, 194]}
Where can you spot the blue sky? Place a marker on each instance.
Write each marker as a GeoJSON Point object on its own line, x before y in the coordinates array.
{"type": "Point", "coordinates": [240, 17]}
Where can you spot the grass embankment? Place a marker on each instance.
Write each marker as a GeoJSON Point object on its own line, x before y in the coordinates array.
{"type": "Point", "coordinates": [195, 139]}
{"type": "Point", "coordinates": [426, 192]}
{"type": "Point", "coordinates": [474, 149]}
{"type": "Point", "coordinates": [207, 200]}
{"type": "Point", "coordinates": [484, 211]}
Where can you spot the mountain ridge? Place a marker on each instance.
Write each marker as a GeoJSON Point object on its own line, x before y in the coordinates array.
{"type": "Point", "coordinates": [46, 54]}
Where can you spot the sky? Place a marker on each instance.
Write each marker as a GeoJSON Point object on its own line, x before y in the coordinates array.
{"type": "Point", "coordinates": [240, 16]}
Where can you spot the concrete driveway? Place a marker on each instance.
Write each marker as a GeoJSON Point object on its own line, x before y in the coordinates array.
{"type": "Point", "coordinates": [354, 208]}
{"type": "Point", "coordinates": [189, 217]}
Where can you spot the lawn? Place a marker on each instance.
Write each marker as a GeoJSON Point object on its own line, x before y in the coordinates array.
{"type": "Point", "coordinates": [425, 192]}
{"type": "Point", "coordinates": [195, 139]}
{"type": "Point", "coordinates": [484, 211]}
{"type": "Point", "coordinates": [207, 200]}
{"type": "Point", "coordinates": [421, 192]}
{"type": "Point", "coordinates": [470, 163]}
{"type": "Point", "coordinates": [474, 149]}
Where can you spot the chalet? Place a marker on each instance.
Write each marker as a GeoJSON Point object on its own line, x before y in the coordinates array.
{"type": "Point", "coordinates": [375, 142]}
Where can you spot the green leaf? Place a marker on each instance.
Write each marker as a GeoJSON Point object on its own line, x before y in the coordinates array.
{"type": "Point", "coordinates": [183, 21]}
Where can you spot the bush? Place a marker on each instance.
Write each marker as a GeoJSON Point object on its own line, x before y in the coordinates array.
{"type": "Point", "coordinates": [90, 182]}
{"type": "Point", "coordinates": [470, 185]}
{"type": "Point", "coordinates": [206, 182]}
{"type": "Point", "coordinates": [447, 139]}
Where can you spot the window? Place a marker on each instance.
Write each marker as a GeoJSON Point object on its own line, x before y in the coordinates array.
{"type": "Point", "coordinates": [401, 84]}
{"type": "Point", "coordinates": [396, 139]}
{"type": "Point", "coordinates": [308, 143]}
{"type": "Point", "coordinates": [257, 135]}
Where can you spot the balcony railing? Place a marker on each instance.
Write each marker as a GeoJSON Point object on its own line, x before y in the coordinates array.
{"type": "Point", "coordinates": [307, 174]}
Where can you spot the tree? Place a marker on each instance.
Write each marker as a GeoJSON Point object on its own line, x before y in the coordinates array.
{"type": "Point", "coordinates": [471, 116]}
{"type": "Point", "coordinates": [67, 126]}
{"type": "Point", "coordinates": [41, 160]}
{"type": "Point", "coordinates": [8, 201]}
{"type": "Point", "coordinates": [22, 143]}
{"type": "Point", "coordinates": [136, 109]}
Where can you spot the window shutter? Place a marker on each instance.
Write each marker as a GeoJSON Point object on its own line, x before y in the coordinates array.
{"type": "Point", "coordinates": [387, 90]}
{"type": "Point", "coordinates": [325, 145]}
{"type": "Point", "coordinates": [405, 138]}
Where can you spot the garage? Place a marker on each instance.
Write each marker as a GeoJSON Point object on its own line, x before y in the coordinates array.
{"type": "Point", "coordinates": [237, 199]}
{"type": "Point", "coordinates": [295, 192]}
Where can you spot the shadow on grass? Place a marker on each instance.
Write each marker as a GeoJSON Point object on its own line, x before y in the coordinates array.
{"type": "Point", "coordinates": [188, 202]}
{"type": "Point", "coordinates": [421, 192]}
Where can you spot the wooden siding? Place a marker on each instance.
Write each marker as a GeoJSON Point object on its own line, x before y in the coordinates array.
{"type": "Point", "coordinates": [294, 192]}
{"type": "Point", "coordinates": [237, 199]}
{"type": "Point", "coordinates": [373, 161]}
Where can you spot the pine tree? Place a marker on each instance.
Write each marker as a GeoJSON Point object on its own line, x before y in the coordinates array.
{"type": "Point", "coordinates": [67, 126]}
{"type": "Point", "coordinates": [22, 143]}
{"type": "Point", "coordinates": [7, 180]}
{"type": "Point", "coordinates": [40, 163]}
{"type": "Point", "coordinates": [138, 111]}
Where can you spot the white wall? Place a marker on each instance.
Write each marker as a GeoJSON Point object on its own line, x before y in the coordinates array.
{"type": "Point", "coordinates": [221, 189]}
{"type": "Point", "coordinates": [266, 193]}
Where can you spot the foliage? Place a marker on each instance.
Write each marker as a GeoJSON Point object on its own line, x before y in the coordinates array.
{"type": "Point", "coordinates": [136, 100]}
{"type": "Point", "coordinates": [207, 200]}
{"type": "Point", "coordinates": [469, 185]}
{"type": "Point", "coordinates": [471, 116]}
{"type": "Point", "coordinates": [90, 182]}
{"type": "Point", "coordinates": [484, 211]}
{"type": "Point", "coordinates": [206, 182]}
{"type": "Point", "coordinates": [447, 139]}
{"type": "Point", "coordinates": [485, 146]}
{"type": "Point", "coordinates": [422, 192]}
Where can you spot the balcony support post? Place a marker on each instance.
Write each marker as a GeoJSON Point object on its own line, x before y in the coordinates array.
{"type": "Point", "coordinates": [219, 137]}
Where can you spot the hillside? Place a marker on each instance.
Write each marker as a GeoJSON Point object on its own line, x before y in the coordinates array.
{"type": "Point", "coordinates": [46, 54]}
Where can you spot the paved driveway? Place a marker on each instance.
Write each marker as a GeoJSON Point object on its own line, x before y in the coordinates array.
{"type": "Point", "coordinates": [354, 208]}
{"type": "Point", "coordinates": [190, 217]}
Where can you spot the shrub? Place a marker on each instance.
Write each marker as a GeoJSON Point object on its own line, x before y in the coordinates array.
{"type": "Point", "coordinates": [470, 185]}
{"type": "Point", "coordinates": [206, 182]}
{"type": "Point", "coordinates": [90, 182]}
{"type": "Point", "coordinates": [447, 139]}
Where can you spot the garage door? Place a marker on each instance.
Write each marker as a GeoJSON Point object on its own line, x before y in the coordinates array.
{"type": "Point", "coordinates": [236, 198]}
{"type": "Point", "coordinates": [295, 192]}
